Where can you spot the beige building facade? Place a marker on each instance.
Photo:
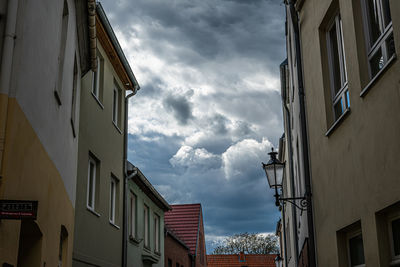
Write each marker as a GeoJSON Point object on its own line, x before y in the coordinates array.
{"type": "Point", "coordinates": [352, 92]}
{"type": "Point", "coordinates": [39, 105]}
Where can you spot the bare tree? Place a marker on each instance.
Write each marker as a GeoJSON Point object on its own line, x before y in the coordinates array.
{"type": "Point", "coordinates": [249, 243]}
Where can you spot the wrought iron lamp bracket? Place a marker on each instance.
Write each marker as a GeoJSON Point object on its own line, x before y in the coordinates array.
{"type": "Point", "coordinates": [303, 205]}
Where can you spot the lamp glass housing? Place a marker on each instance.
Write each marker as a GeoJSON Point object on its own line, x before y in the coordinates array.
{"type": "Point", "coordinates": [274, 171]}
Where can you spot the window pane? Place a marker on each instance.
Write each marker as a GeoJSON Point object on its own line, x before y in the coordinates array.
{"type": "Point", "coordinates": [396, 236]}
{"type": "Point", "coordinates": [347, 99]}
{"type": "Point", "coordinates": [335, 59]}
{"type": "Point", "coordinates": [91, 183]}
{"type": "Point", "coordinates": [376, 62]}
{"type": "Point", "coordinates": [390, 46]}
{"type": "Point", "coordinates": [356, 251]}
{"type": "Point", "coordinates": [112, 201]}
{"type": "Point", "coordinates": [373, 20]}
{"type": "Point", "coordinates": [386, 12]}
{"type": "Point", "coordinates": [115, 107]}
{"type": "Point", "coordinates": [338, 108]}
{"type": "Point", "coordinates": [133, 215]}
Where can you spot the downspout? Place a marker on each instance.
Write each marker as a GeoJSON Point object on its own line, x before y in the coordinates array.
{"type": "Point", "coordinates": [304, 137]}
{"type": "Point", "coordinates": [5, 72]}
{"type": "Point", "coordinates": [126, 178]}
{"type": "Point", "coordinates": [291, 169]}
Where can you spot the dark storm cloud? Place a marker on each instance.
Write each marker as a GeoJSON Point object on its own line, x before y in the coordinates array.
{"type": "Point", "coordinates": [206, 144]}
{"type": "Point", "coordinates": [180, 106]}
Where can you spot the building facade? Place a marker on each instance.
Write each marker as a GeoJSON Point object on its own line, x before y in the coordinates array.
{"type": "Point", "coordinates": [176, 251]}
{"type": "Point", "coordinates": [146, 209]}
{"type": "Point", "coordinates": [350, 72]}
{"type": "Point", "coordinates": [99, 214]}
{"type": "Point", "coordinates": [40, 70]}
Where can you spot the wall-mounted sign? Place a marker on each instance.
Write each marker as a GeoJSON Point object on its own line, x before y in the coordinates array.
{"type": "Point", "coordinates": [18, 209]}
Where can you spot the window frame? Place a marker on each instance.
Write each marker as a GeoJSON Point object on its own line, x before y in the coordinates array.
{"type": "Point", "coordinates": [92, 183]}
{"type": "Point", "coordinates": [380, 43]}
{"type": "Point", "coordinates": [133, 215]}
{"type": "Point", "coordinates": [350, 236]}
{"type": "Point", "coordinates": [115, 106]}
{"type": "Point", "coordinates": [390, 218]}
{"type": "Point", "coordinates": [113, 199]}
{"type": "Point", "coordinates": [146, 225]}
{"type": "Point", "coordinates": [157, 231]}
{"type": "Point", "coordinates": [342, 96]}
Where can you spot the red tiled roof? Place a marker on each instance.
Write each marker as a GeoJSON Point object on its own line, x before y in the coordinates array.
{"type": "Point", "coordinates": [251, 260]}
{"type": "Point", "coordinates": [183, 221]}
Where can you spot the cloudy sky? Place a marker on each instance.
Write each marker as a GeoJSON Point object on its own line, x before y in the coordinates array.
{"type": "Point", "coordinates": [208, 110]}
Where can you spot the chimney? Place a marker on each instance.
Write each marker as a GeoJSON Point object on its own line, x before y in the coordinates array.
{"type": "Point", "coordinates": [242, 258]}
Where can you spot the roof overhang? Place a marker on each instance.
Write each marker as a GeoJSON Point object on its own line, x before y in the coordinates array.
{"type": "Point", "coordinates": [109, 42]}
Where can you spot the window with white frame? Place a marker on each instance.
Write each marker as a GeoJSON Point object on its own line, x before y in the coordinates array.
{"type": "Point", "coordinates": [96, 78]}
{"type": "Point", "coordinates": [379, 34]}
{"type": "Point", "coordinates": [91, 184]}
{"type": "Point", "coordinates": [146, 226]}
{"type": "Point", "coordinates": [156, 233]}
{"type": "Point", "coordinates": [356, 249]}
{"type": "Point", "coordinates": [116, 112]}
{"type": "Point", "coordinates": [132, 216]}
{"type": "Point", "coordinates": [113, 198]}
{"type": "Point", "coordinates": [337, 68]}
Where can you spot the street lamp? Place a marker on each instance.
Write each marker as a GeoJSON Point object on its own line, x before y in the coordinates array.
{"type": "Point", "coordinates": [274, 171]}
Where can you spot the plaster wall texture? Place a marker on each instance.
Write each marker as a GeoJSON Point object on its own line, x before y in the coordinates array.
{"type": "Point", "coordinates": [34, 78]}
{"type": "Point", "coordinates": [354, 169]}
{"type": "Point", "coordinates": [97, 241]}
{"type": "Point", "coordinates": [137, 250]}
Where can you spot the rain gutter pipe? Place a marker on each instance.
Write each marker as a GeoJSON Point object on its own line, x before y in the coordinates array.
{"type": "Point", "coordinates": [304, 137]}
{"type": "Point", "coordinates": [6, 70]}
{"type": "Point", "coordinates": [126, 179]}
{"type": "Point", "coordinates": [288, 137]}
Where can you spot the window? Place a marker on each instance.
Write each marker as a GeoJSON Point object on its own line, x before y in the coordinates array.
{"type": "Point", "coordinates": [73, 101]}
{"type": "Point", "coordinates": [116, 115]}
{"type": "Point", "coordinates": [92, 181]}
{"type": "Point", "coordinates": [132, 216]}
{"type": "Point", "coordinates": [113, 199]}
{"type": "Point", "coordinates": [177, 264]}
{"type": "Point", "coordinates": [288, 241]}
{"type": "Point", "coordinates": [356, 250]}
{"type": "Point", "coordinates": [62, 250]}
{"type": "Point", "coordinates": [379, 34]}
{"type": "Point", "coordinates": [156, 233]}
{"type": "Point", "coordinates": [97, 79]}
{"type": "Point", "coordinates": [169, 263]}
{"type": "Point", "coordinates": [394, 237]}
{"type": "Point", "coordinates": [61, 54]}
{"type": "Point", "coordinates": [146, 226]}
{"type": "Point", "coordinates": [337, 68]}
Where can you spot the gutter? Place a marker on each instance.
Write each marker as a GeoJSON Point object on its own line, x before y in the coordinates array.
{"type": "Point", "coordinates": [304, 137]}
{"type": "Point", "coordinates": [290, 152]}
{"type": "Point", "coordinates": [126, 178]}
{"type": "Point", "coordinates": [92, 34]}
{"type": "Point", "coordinates": [6, 71]}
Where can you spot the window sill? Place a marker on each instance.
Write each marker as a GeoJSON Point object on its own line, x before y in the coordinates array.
{"type": "Point", "coordinates": [134, 240]}
{"type": "Point", "coordinates": [116, 126]}
{"type": "Point", "coordinates": [377, 76]}
{"type": "Point", "coordinates": [92, 211]}
{"type": "Point", "coordinates": [395, 262]}
{"type": "Point", "coordinates": [337, 122]}
{"type": "Point", "coordinates": [97, 100]}
{"type": "Point", "coordinates": [157, 253]}
{"type": "Point", "coordinates": [113, 224]}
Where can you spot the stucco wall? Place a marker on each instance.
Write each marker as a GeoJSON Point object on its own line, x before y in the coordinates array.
{"type": "Point", "coordinates": [97, 241]}
{"type": "Point", "coordinates": [354, 169]}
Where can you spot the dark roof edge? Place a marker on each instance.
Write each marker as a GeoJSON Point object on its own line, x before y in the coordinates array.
{"type": "Point", "coordinates": [110, 32]}
{"type": "Point", "coordinates": [162, 203]}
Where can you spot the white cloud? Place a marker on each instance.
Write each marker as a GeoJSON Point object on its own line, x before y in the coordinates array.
{"type": "Point", "coordinates": [188, 157]}
{"type": "Point", "coordinates": [244, 156]}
